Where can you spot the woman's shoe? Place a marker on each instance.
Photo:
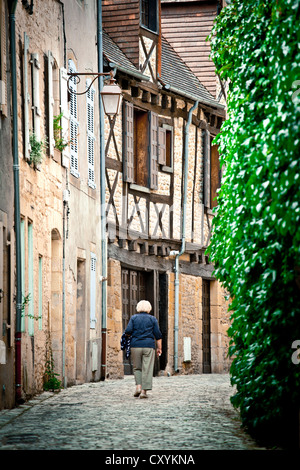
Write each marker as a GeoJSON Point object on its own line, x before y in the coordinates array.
{"type": "Point", "coordinates": [143, 395]}
{"type": "Point", "coordinates": [137, 393]}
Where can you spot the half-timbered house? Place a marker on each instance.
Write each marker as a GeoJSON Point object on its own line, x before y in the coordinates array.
{"type": "Point", "coordinates": [162, 176]}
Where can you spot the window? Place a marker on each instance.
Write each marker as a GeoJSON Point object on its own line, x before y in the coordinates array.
{"type": "Point", "coordinates": [165, 148]}
{"type": "Point", "coordinates": [64, 111]}
{"type": "Point", "coordinates": [140, 147]}
{"type": "Point", "coordinates": [149, 14]}
{"type": "Point", "coordinates": [90, 134]}
{"type": "Point", "coordinates": [211, 171]}
{"type": "Point", "coordinates": [215, 174]}
{"type": "Point", "coordinates": [73, 122]}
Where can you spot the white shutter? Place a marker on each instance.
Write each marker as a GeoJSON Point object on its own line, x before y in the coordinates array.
{"type": "Point", "coordinates": [153, 150]}
{"type": "Point", "coordinates": [26, 98]}
{"type": "Point", "coordinates": [36, 96]}
{"type": "Point", "coordinates": [50, 103]}
{"type": "Point", "coordinates": [93, 291]}
{"type": "Point", "coordinates": [128, 142]}
{"type": "Point", "coordinates": [162, 145]}
{"type": "Point", "coordinates": [64, 110]}
{"type": "Point", "coordinates": [90, 96]}
{"type": "Point", "coordinates": [73, 122]}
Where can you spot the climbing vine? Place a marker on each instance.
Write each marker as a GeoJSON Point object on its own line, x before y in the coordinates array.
{"type": "Point", "coordinates": [255, 243]}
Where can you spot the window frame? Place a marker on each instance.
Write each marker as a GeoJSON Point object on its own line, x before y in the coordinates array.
{"type": "Point", "coordinates": [152, 23]}
{"type": "Point", "coordinates": [151, 146]}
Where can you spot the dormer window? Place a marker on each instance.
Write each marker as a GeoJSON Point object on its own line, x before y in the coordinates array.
{"type": "Point", "coordinates": [149, 14]}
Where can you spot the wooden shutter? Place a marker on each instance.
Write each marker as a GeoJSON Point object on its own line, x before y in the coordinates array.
{"type": "Point", "coordinates": [73, 123]}
{"type": "Point", "coordinates": [36, 95]}
{"type": "Point", "coordinates": [128, 150]}
{"type": "Point", "coordinates": [153, 174]}
{"type": "Point", "coordinates": [50, 103]}
{"type": "Point", "coordinates": [162, 133]}
{"type": "Point", "coordinates": [206, 167]}
{"type": "Point", "coordinates": [3, 62]}
{"type": "Point", "coordinates": [64, 111]}
{"type": "Point", "coordinates": [90, 134]}
{"type": "Point", "coordinates": [93, 291]}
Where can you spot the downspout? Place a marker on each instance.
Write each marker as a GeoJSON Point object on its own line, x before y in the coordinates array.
{"type": "Point", "coordinates": [183, 222]}
{"type": "Point", "coordinates": [102, 193]}
{"type": "Point", "coordinates": [17, 216]}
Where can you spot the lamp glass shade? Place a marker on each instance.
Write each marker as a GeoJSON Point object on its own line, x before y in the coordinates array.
{"type": "Point", "coordinates": [111, 99]}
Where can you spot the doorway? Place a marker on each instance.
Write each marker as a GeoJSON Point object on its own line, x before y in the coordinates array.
{"type": "Point", "coordinates": [206, 326]}
{"type": "Point", "coordinates": [80, 321]}
{"type": "Point", "coordinates": [136, 286]}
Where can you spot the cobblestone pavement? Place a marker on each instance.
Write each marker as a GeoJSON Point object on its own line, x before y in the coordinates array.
{"type": "Point", "coordinates": [182, 413]}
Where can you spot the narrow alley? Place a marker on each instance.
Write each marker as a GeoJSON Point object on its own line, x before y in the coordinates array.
{"type": "Point", "coordinates": [182, 413]}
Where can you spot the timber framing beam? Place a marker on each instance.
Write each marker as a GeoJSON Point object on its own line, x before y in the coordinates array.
{"type": "Point", "coordinates": [157, 263]}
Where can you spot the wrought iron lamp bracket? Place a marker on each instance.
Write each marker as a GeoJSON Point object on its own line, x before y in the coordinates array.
{"type": "Point", "coordinates": [77, 75]}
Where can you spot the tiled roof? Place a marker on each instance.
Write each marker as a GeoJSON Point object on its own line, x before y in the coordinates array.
{"type": "Point", "coordinates": [175, 74]}
{"type": "Point", "coordinates": [115, 56]}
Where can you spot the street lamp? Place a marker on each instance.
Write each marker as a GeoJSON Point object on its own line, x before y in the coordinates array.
{"type": "Point", "coordinates": [111, 97]}
{"type": "Point", "coordinates": [111, 93]}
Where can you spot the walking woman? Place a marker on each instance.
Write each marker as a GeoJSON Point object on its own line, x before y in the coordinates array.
{"type": "Point", "coordinates": [143, 329]}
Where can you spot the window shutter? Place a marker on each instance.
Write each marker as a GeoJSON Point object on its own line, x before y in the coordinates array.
{"type": "Point", "coordinates": [90, 134]}
{"type": "Point", "coordinates": [3, 77]}
{"type": "Point", "coordinates": [128, 154]}
{"type": "Point", "coordinates": [23, 271]}
{"type": "Point", "coordinates": [162, 133]}
{"type": "Point", "coordinates": [206, 167]}
{"type": "Point", "coordinates": [64, 111]}
{"type": "Point", "coordinates": [153, 150]}
{"type": "Point", "coordinates": [50, 103]}
{"type": "Point", "coordinates": [93, 291]}
{"type": "Point", "coordinates": [30, 280]}
{"type": "Point", "coordinates": [26, 98]}
{"type": "Point", "coordinates": [36, 96]}
{"type": "Point", "coordinates": [73, 123]}
{"type": "Point", "coordinates": [40, 293]}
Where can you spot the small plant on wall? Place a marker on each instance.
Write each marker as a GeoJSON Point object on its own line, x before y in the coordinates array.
{"type": "Point", "coordinates": [60, 142]}
{"type": "Point", "coordinates": [51, 381]}
{"type": "Point", "coordinates": [37, 150]}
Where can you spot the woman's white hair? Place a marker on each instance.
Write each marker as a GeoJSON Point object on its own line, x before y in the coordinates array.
{"type": "Point", "coordinates": [144, 306]}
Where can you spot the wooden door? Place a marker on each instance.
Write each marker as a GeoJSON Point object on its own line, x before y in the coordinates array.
{"type": "Point", "coordinates": [136, 286]}
{"type": "Point", "coordinates": [206, 326]}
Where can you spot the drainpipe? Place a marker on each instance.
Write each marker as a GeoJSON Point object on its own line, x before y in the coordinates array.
{"type": "Point", "coordinates": [183, 221]}
{"type": "Point", "coordinates": [102, 192]}
{"type": "Point", "coordinates": [17, 216]}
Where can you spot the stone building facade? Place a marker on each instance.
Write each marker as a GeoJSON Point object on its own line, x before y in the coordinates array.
{"type": "Point", "coordinates": [145, 201]}
{"type": "Point", "coordinates": [161, 176]}
{"type": "Point", "coordinates": [59, 184]}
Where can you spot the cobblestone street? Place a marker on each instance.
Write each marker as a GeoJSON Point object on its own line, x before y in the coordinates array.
{"type": "Point", "coordinates": [182, 413]}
